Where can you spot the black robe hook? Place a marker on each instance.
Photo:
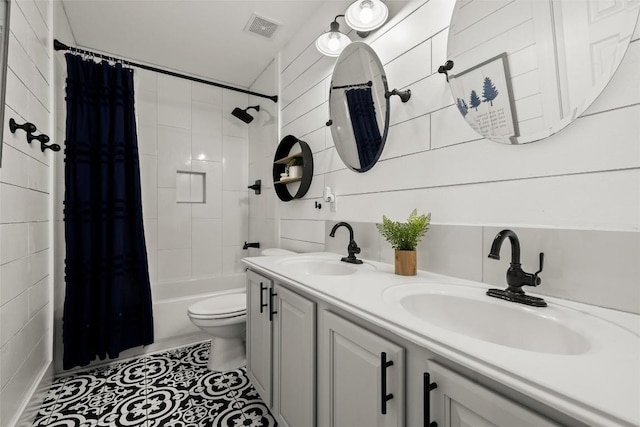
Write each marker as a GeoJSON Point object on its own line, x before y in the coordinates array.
{"type": "Point", "coordinates": [27, 126]}
{"type": "Point", "coordinates": [443, 69]}
{"type": "Point", "coordinates": [404, 95]}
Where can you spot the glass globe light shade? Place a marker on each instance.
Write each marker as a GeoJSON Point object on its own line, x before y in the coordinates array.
{"type": "Point", "coordinates": [332, 43]}
{"type": "Point", "coordinates": [366, 15]}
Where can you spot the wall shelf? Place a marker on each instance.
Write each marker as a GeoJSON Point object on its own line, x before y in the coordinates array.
{"type": "Point", "coordinates": [282, 156]}
{"type": "Point", "coordinates": [288, 180]}
{"type": "Point", "coordinates": [285, 160]}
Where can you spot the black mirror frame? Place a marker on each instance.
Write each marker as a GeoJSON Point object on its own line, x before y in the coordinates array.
{"type": "Point", "coordinates": [331, 122]}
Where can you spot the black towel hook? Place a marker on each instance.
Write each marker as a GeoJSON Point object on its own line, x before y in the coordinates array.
{"type": "Point", "coordinates": [404, 95]}
{"type": "Point", "coordinates": [443, 69]}
{"type": "Point", "coordinates": [27, 126]}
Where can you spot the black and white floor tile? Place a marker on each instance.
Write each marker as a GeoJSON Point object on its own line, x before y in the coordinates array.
{"type": "Point", "coordinates": [172, 389]}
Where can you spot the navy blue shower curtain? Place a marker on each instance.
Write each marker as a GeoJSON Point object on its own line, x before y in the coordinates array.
{"type": "Point", "coordinates": [107, 305]}
{"type": "Point", "coordinates": [365, 125]}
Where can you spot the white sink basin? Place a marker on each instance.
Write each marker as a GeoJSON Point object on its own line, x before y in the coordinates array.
{"type": "Point", "coordinates": [321, 266]}
{"type": "Point", "coordinates": [469, 312]}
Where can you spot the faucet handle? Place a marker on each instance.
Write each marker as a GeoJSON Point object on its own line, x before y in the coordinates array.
{"type": "Point", "coordinates": [541, 264]}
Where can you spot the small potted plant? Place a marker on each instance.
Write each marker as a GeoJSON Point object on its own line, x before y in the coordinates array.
{"type": "Point", "coordinates": [294, 167]}
{"type": "Point", "coordinates": [404, 238]}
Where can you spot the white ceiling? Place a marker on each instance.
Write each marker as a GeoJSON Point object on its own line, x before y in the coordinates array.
{"type": "Point", "coordinates": [201, 37]}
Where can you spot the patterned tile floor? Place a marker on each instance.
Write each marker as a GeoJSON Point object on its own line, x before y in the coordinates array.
{"type": "Point", "coordinates": [172, 389]}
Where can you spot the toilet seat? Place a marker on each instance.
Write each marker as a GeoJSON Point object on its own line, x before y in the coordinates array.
{"type": "Point", "coordinates": [224, 306]}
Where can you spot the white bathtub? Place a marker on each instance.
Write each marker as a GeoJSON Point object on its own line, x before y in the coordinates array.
{"type": "Point", "coordinates": [172, 298]}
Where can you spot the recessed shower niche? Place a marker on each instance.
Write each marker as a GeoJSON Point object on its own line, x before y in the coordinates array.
{"type": "Point", "coordinates": [190, 187]}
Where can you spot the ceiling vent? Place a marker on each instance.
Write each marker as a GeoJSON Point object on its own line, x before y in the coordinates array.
{"type": "Point", "coordinates": [261, 26]}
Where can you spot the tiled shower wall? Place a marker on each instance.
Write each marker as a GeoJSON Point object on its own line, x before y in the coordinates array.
{"type": "Point", "coordinates": [25, 212]}
{"type": "Point", "coordinates": [188, 127]}
{"type": "Point", "coordinates": [263, 141]}
{"type": "Point", "coordinates": [584, 178]}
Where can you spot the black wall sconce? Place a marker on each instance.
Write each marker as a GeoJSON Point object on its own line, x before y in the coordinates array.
{"type": "Point", "coordinates": [443, 69]}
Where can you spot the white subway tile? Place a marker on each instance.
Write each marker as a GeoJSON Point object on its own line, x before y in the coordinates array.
{"type": "Point", "coordinates": [38, 236]}
{"type": "Point", "coordinates": [235, 217]}
{"type": "Point", "coordinates": [206, 94]}
{"type": "Point", "coordinates": [174, 154]}
{"type": "Point", "coordinates": [147, 108]}
{"type": "Point", "coordinates": [207, 146]}
{"type": "Point", "coordinates": [235, 168]}
{"type": "Point", "coordinates": [231, 259]}
{"type": "Point", "coordinates": [149, 185]}
{"type": "Point", "coordinates": [206, 119]}
{"type": "Point", "coordinates": [174, 221]}
{"type": "Point", "coordinates": [13, 317]}
{"type": "Point", "coordinates": [38, 296]}
{"type": "Point", "coordinates": [147, 140]}
{"type": "Point", "coordinates": [174, 102]}
{"type": "Point", "coordinates": [411, 66]}
{"type": "Point", "coordinates": [207, 247]}
{"type": "Point", "coordinates": [13, 206]}
{"type": "Point", "coordinates": [15, 279]}
{"type": "Point", "coordinates": [38, 266]}
{"type": "Point", "coordinates": [14, 168]}
{"type": "Point", "coordinates": [14, 243]}
{"type": "Point", "coordinates": [174, 263]}
{"type": "Point", "coordinates": [212, 207]}
{"type": "Point", "coordinates": [305, 102]}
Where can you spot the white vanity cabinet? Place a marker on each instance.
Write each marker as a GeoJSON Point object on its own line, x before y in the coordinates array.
{"type": "Point", "coordinates": [318, 360]}
{"type": "Point", "coordinates": [452, 400]}
{"type": "Point", "coordinates": [360, 376]}
{"type": "Point", "coordinates": [281, 345]}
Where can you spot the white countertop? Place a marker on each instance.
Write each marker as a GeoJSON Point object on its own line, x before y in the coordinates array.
{"type": "Point", "coordinates": [598, 387]}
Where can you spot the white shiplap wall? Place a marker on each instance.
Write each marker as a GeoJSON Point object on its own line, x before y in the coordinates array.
{"type": "Point", "coordinates": [25, 198]}
{"type": "Point", "coordinates": [586, 176]}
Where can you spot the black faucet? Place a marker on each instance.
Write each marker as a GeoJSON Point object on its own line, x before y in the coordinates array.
{"type": "Point", "coordinates": [250, 245]}
{"type": "Point", "coordinates": [516, 277]}
{"type": "Point", "coordinates": [352, 248]}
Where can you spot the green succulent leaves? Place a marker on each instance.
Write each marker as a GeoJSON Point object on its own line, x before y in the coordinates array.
{"type": "Point", "coordinates": [405, 236]}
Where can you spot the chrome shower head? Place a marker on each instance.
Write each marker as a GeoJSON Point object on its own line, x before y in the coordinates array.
{"type": "Point", "coordinates": [243, 115]}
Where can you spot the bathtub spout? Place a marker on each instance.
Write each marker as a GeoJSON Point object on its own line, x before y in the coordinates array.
{"type": "Point", "coordinates": [250, 245]}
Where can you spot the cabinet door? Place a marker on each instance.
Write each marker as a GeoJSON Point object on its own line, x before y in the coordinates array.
{"type": "Point", "coordinates": [294, 368]}
{"type": "Point", "coordinates": [459, 402]}
{"type": "Point", "coordinates": [352, 381]}
{"type": "Point", "coordinates": [259, 334]}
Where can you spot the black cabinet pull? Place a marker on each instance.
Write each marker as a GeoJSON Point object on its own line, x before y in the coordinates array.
{"type": "Point", "coordinates": [428, 386]}
{"type": "Point", "coordinates": [262, 303]}
{"type": "Point", "coordinates": [271, 310]}
{"type": "Point", "coordinates": [383, 374]}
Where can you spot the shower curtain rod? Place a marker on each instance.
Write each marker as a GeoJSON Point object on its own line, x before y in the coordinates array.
{"type": "Point", "coordinates": [58, 45]}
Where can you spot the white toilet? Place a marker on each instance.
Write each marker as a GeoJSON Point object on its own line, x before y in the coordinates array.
{"type": "Point", "coordinates": [224, 317]}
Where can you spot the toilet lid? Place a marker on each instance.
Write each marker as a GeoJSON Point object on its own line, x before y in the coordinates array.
{"type": "Point", "coordinates": [220, 306]}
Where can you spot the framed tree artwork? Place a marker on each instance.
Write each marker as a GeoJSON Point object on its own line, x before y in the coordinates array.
{"type": "Point", "coordinates": [488, 104]}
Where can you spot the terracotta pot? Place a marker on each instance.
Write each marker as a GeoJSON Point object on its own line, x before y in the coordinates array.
{"type": "Point", "coordinates": [406, 263]}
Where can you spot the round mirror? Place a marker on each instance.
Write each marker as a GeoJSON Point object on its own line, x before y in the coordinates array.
{"type": "Point", "coordinates": [525, 69]}
{"type": "Point", "coordinates": [358, 107]}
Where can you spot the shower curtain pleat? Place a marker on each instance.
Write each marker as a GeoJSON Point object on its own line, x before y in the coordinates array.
{"type": "Point", "coordinates": [364, 124]}
{"type": "Point", "coordinates": [107, 306]}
